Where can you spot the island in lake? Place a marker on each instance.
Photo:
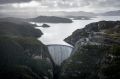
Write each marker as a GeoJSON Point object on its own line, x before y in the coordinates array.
{"type": "Point", "coordinates": [50, 19]}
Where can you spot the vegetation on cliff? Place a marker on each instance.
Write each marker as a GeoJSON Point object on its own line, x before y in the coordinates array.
{"type": "Point", "coordinates": [96, 54]}
{"type": "Point", "coordinates": [22, 56]}
{"type": "Point", "coordinates": [21, 30]}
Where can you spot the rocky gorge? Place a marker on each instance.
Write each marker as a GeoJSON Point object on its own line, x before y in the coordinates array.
{"type": "Point", "coordinates": [96, 53]}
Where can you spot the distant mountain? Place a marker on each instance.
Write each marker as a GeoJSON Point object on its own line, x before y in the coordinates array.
{"type": "Point", "coordinates": [50, 19]}
{"type": "Point", "coordinates": [79, 17]}
{"type": "Point", "coordinates": [111, 13]}
{"type": "Point", "coordinates": [64, 13]}
{"type": "Point", "coordinates": [47, 13]}
{"type": "Point", "coordinates": [80, 13]}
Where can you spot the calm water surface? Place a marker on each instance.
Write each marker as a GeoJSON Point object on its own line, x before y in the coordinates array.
{"type": "Point", "coordinates": [59, 31]}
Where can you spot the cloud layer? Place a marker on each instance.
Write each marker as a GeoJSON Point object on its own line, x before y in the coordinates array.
{"type": "Point", "coordinates": [12, 1]}
{"type": "Point", "coordinates": [39, 6]}
{"type": "Point", "coordinates": [63, 4]}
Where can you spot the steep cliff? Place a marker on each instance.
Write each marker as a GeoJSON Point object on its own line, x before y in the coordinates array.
{"type": "Point", "coordinates": [22, 56]}
{"type": "Point", "coordinates": [96, 54]}
{"type": "Point", "coordinates": [94, 29]}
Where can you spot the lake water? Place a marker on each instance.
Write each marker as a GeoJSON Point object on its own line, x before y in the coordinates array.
{"type": "Point", "coordinates": [57, 32]}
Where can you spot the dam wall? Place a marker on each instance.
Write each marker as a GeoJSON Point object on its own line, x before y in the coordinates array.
{"type": "Point", "coordinates": [59, 53]}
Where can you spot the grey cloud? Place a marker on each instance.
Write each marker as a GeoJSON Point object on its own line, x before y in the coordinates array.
{"type": "Point", "coordinates": [91, 4]}
{"type": "Point", "coordinates": [102, 3]}
{"type": "Point", "coordinates": [13, 1]}
{"type": "Point", "coordinates": [112, 3]}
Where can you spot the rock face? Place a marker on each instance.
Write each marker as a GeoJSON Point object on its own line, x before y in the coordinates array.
{"type": "Point", "coordinates": [50, 19]}
{"type": "Point", "coordinates": [22, 56]}
{"type": "Point", "coordinates": [96, 54]}
{"type": "Point", "coordinates": [94, 29]}
{"type": "Point", "coordinates": [45, 26]}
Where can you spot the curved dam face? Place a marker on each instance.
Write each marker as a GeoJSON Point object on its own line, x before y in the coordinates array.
{"type": "Point", "coordinates": [59, 53]}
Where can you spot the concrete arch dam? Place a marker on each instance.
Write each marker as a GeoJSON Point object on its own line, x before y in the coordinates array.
{"type": "Point", "coordinates": [59, 53]}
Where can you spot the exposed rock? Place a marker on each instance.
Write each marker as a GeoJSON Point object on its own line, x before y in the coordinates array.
{"type": "Point", "coordinates": [94, 29]}
{"type": "Point", "coordinates": [45, 25]}
{"type": "Point", "coordinates": [79, 33]}
{"type": "Point", "coordinates": [96, 54]}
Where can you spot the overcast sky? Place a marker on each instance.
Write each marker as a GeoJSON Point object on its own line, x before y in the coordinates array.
{"type": "Point", "coordinates": [41, 6]}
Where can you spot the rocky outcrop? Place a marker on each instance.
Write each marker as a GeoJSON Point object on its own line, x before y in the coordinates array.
{"type": "Point", "coordinates": [79, 33]}
{"type": "Point", "coordinates": [45, 26]}
{"type": "Point", "coordinates": [22, 56]}
{"type": "Point", "coordinates": [96, 54]}
{"type": "Point", "coordinates": [50, 19]}
{"type": "Point", "coordinates": [94, 29]}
